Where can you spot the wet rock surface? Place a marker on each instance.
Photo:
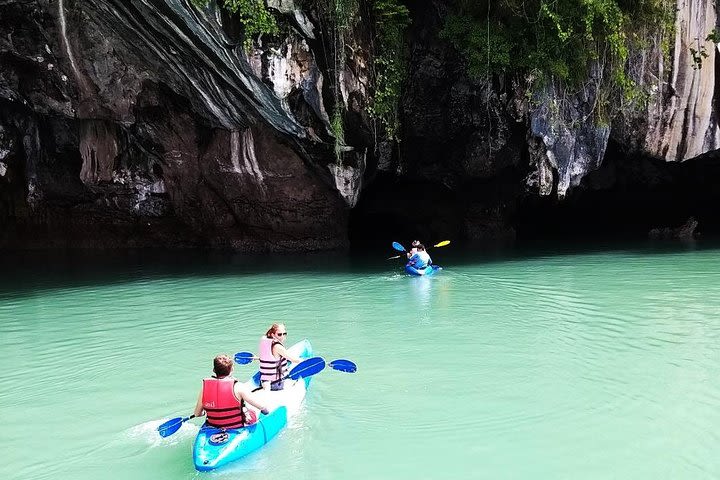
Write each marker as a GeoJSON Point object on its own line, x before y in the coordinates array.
{"type": "Point", "coordinates": [131, 124]}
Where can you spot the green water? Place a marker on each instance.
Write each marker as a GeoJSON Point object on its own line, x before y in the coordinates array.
{"type": "Point", "coordinates": [602, 364]}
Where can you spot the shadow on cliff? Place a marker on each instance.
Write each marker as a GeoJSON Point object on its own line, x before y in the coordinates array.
{"type": "Point", "coordinates": [625, 199]}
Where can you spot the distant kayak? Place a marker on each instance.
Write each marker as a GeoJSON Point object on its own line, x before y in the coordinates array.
{"type": "Point", "coordinates": [420, 272]}
{"type": "Point", "coordinates": [213, 449]}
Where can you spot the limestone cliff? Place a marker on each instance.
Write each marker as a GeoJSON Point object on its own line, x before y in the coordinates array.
{"type": "Point", "coordinates": [130, 123]}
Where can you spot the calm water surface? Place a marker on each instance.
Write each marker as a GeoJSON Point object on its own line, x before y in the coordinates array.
{"type": "Point", "coordinates": [600, 364]}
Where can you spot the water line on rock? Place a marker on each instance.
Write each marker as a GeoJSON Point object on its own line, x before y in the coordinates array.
{"type": "Point", "coordinates": [82, 82]}
{"type": "Point", "coordinates": [235, 151]}
{"type": "Point", "coordinates": [250, 158]}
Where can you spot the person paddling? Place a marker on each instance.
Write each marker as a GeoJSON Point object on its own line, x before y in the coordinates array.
{"type": "Point", "coordinates": [223, 398]}
{"type": "Point", "coordinates": [413, 248]}
{"type": "Point", "coordinates": [420, 259]}
{"type": "Point", "coordinates": [274, 357]}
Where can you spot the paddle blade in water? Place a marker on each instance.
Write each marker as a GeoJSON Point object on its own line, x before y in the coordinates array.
{"type": "Point", "coordinates": [442, 244]}
{"type": "Point", "coordinates": [170, 427]}
{"type": "Point", "coordinates": [343, 365]}
{"type": "Point", "coordinates": [308, 367]}
{"type": "Point", "coordinates": [396, 256]}
{"type": "Point", "coordinates": [243, 358]}
{"type": "Point", "coordinates": [398, 247]}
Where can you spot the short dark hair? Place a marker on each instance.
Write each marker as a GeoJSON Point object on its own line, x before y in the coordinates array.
{"type": "Point", "coordinates": [222, 365]}
{"type": "Point", "coordinates": [420, 246]}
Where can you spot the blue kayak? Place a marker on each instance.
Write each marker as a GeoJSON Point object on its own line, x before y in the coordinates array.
{"type": "Point", "coordinates": [420, 272]}
{"type": "Point", "coordinates": [211, 450]}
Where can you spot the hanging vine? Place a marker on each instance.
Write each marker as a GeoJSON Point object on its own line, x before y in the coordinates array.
{"type": "Point", "coordinates": [391, 20]}
{"type": "Point", "coordinates": [559, 40]}
{"type": "Point", "coordinates": [339, 18]}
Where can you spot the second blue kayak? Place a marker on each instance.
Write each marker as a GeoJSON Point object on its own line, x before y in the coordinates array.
{"type": "Point", "coordinates": [420, 272]}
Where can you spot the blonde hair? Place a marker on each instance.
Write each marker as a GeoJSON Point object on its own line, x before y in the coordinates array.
{"type": "Point", "coordinates": [273, 328]}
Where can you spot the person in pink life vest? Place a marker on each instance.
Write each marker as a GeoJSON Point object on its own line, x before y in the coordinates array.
{"type": "Point", "coordinates": [223, 398]}
{"type": "Point", "coordinates": [274, 357]}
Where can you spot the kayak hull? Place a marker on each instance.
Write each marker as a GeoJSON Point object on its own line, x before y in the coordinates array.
{"type": "Point", "coordinates": [209, 454]}
{"type": "Point", "coordinates": [423, 272]}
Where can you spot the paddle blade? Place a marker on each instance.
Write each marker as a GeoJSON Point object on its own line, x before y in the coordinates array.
{"type": "Point", "coordinates": [308, 367]}
{"type": "Point", "coordinates": [442, 244]}
{"type": "Point", "coordinates": [398, 247]}
{"type": "Point", "coordinates": [343, 365]}
{"type": "Point", "coordinates": [396, 256]}
{"type": "Point", "coordinates": [170, 427]}
{"type": "Point", "coordinates": [243, 358]}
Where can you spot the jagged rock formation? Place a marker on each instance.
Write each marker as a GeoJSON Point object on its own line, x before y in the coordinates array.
{"type": "Point", "coordinates": [129, 123]}
{"type": "Point", "coordinates": [152, 125]}
{"type": "Point", "coordinates": [685, 231]}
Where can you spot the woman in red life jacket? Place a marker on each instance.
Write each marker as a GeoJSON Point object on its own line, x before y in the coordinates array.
{"type": "Point", "coordinates": [274, 357]}
{"type": "Point", "coordinates": [223, 398]}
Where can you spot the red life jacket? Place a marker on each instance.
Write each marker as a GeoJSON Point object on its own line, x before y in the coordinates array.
{"type": "Point", "coordinates": [222, 408]}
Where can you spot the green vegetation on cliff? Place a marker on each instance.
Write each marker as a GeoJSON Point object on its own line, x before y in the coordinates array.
{"type": "Point", "coordinates": [255, 18]}
{"type": "Point", "coordinates": [343, 15]}
{"type": "Point", "coordinates": [557, 40]}
{"type": "Point", "coordinates": [388, 58]}
{"type": "Point", "coordinates": [391, 20]}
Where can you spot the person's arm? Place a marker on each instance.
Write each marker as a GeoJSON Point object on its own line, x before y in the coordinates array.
{"type": "Point", "coordinates": [280, 351]}
{"type": "Point", "coordinates": [199, 406]}
{"type": "Point", "coordinates": [249, 397]}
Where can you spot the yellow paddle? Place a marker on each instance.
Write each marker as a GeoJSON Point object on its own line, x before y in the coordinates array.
{"type": "Point", "coordinates": [439, 244]}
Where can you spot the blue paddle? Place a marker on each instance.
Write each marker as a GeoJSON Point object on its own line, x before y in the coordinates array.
{"type": "Point", "coordinates": [398, 247]}
{"type": "Point", "coordinates": [342, 365]}
{"type": "Point", "coordinates": [306, 368]}
{"type": "Point", "coordinates": [243, 358]}
{"type": "Point", "coordinates": [172, 425]}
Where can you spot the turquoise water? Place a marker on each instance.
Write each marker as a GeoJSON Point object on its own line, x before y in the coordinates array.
{"type": "Point", "coordinates": [599, 364]}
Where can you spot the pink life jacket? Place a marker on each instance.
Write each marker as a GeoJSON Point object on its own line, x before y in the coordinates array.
{"type": "Point", "coordinates": [222, 407]}
{"type": "Point", "coordinates": [271, 368]}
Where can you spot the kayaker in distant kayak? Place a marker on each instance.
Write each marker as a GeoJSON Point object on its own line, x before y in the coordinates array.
{"type": "Point", "coordinates": [223, 398]}
{"type": "Point", "coordinates": [413, 248]}
{"type": "Point", "coordinates": [420, 259]}
{"type": "Point", "coordinates": [274, 357]}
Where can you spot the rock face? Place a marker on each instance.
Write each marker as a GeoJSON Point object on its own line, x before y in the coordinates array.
{"type": "Point", "coordinates": [131, 123]}
{"type": "Point", "coordinates": [682, 118]}
{"type": "Point", "coordinates": [567, 150]}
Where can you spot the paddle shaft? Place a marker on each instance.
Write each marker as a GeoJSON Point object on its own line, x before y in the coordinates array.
{"type": "Point", "coordinates": [172, 426]}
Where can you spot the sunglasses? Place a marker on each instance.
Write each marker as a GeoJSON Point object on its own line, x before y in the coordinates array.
{"type": "Point", "coordinates": [280, 334]}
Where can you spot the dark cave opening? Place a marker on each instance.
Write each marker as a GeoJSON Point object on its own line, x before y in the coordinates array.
{"type": "Point", "coordinates": [623, 200]}
{"type": "Point", "coordinates": [626, 198]}
{"type": "Point", "coordinates": [393, 209]}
